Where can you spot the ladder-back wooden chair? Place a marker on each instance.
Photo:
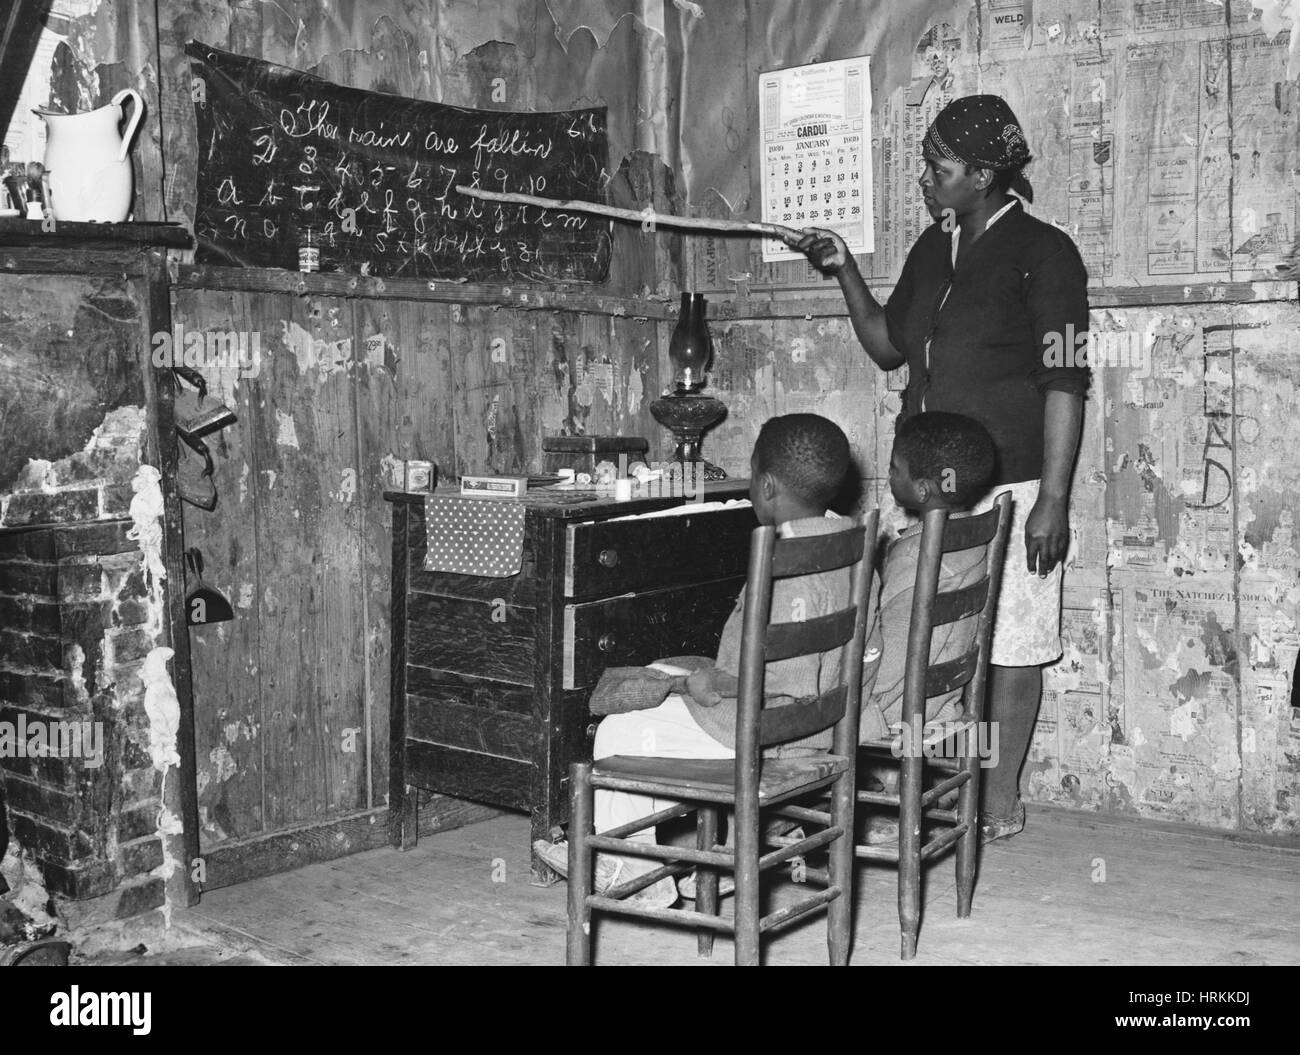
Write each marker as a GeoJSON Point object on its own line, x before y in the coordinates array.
{"type": "Point", "coordinates": [951, 749]}
{"type": "Point", "coordinates": [751, 783]}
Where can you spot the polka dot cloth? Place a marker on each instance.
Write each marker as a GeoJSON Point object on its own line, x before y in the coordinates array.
{"type": "Point", "coordinates": [474, 536]}
{"type": "Point", "coordinates": [979, 130]}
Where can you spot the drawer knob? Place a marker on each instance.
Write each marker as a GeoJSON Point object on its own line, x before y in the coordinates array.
{"type": "Point", "coordinates": [608, 557]}
{"type": "Point", "coordinates": [607, 642]}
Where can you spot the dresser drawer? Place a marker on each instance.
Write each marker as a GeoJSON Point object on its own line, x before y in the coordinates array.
{"type": "Point", "coordinates": [620, 556]}
{"type": "Point", "coordinates": [637, 629]}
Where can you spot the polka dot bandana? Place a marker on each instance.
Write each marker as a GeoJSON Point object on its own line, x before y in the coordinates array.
{"type": "Point", "coordinates": [474, 536]}
{"type": "Point", "coordinates": [979, 130]}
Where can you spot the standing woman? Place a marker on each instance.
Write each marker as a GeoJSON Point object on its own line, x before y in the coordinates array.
{"type": "Point", "coordinates": [985, 291]}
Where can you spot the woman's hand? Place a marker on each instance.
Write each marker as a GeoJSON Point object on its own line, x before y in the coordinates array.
{"type": "Point", "coordinates": [825, 250]}
{"type": "Point", "coordinates": [1047, 534]}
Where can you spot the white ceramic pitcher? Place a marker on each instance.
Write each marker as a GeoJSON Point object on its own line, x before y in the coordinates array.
{"type": "Point", "coordinates": [86, 161]}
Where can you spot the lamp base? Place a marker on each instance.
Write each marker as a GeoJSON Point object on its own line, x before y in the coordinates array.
{"type": "Point", "coordinates": [688, 416]}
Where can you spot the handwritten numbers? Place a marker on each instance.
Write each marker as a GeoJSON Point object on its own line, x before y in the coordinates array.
{"type": "Point", "coordinates": [498, 349]}
{"type": "Point", "coordinates": [949, 221]}
{"type": "Point", "coordinates": [498, 870]}
{"type": "Point", "coordinates": [1099, 869]}
{"type": "Point", "coordinates": [350, 740]}
{"type": "Point", "coordinates": [499, 607]}
{"type": "Point", "coordinates": [281, 159]}
{"type": "Point", "coordinates": [266, 143]}
{"type": "Point", "coordinates": [344, 172]}
{"type": "Point", "coordinates": [198, 871]}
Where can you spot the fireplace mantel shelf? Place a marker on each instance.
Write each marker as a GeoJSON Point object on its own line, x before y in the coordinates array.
{"type": "Point", "coordinates": [16, 231]}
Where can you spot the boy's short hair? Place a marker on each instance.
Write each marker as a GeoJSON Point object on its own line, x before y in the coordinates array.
{"type": "Point", "coordinates": [951, 449]}
{"type": "Point", "coordinates": [806, 452]}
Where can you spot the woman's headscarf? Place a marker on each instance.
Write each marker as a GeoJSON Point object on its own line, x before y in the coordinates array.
{"type": "Point", "coordinates": [982, 131]}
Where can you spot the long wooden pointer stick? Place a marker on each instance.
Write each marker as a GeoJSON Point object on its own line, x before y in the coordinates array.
{"type": "Point", "coordinates": [773, 230]}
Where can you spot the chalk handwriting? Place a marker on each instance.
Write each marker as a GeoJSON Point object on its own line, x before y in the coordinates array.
{"type": "Point", "coordinates": [371, 179]}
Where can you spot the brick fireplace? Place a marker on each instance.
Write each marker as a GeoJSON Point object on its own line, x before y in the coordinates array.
{"type": "Point", "coordinates": [82, 612]}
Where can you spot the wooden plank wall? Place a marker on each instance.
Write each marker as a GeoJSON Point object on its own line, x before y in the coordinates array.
{"type": "Point", "coordinates": [292, 696]}
{"type": "Point", "coordinates": [299, 540]}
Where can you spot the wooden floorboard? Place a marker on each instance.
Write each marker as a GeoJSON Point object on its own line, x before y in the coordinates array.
{"type": "Point", "coordinates": [466, 897]}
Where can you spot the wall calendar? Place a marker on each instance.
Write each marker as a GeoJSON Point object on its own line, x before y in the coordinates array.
{"type": "Point", "coordinates": [816, 143]}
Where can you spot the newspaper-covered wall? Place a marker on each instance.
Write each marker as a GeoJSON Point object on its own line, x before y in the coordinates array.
{"type": "Point", "coordinates": [1165, 135]}
{"type": "Point", "coordinates": [1166, 141]}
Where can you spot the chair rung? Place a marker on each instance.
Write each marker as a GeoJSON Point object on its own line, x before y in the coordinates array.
{"type": "Point", "coordinates": [942, 841]}
{"type": "Point", "coordinates": [801, 813]}
{"type": "Point", "coordinates": [943, 816]}
{"type": "Point", "coordinates": [640, 882]}
{"type": "Point", "coordinates": [877, 798]}
{"type": "Point", "coordinates": [713, 858]}
{"type": "Point", "coordinates": [793, 912]}
{"type": "Point", "coordinates": [948, 765]}
{"type": "Point", "coordinates": [934, 846]}
{"type": "Point", "coordinates": [800, 847]}
{"type": "Point", "coordinates": [677, 917]}
{"type": "Point", "coordinates": [817, 875]}
{"type": "Point", "coordinates": [943, 787]}
{"type": "Point", "coordinates": [642, 823]}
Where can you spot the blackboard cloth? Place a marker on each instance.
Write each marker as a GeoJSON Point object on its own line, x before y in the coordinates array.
{"type": "Point", "coordinates": [288, 160]}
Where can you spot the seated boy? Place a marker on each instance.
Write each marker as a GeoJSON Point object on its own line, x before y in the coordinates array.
{"type": "Point", "coordinates": [939, 461]}
{"type": "Point", "coordinates": [799, 464]}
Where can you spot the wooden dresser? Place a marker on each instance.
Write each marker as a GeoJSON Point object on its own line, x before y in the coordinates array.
{"type": "Point", "coordinates": [491, 676]}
